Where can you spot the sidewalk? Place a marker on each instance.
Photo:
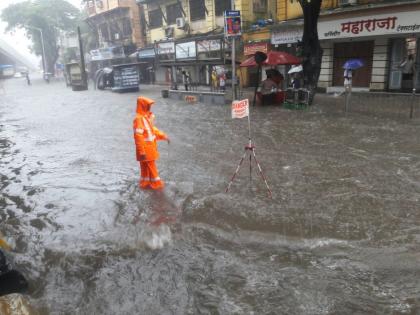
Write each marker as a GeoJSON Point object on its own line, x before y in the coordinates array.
{"type": "Point", "coordinates": [384, 104]}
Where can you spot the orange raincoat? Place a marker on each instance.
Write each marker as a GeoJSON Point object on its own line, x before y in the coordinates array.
{"type": "Point", "coordinates": [146, 136]}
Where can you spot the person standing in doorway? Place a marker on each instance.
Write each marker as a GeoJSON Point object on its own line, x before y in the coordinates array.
{"type": "Point", "coordinates": [407, 66]}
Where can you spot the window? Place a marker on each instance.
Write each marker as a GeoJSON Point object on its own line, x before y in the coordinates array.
{"type": "Point", "coordinates": [260, 6]}
{"type": "Point", "coordinates": [197, 10]}
{"type": "Point", "coordinates": [126, 27]}
{"type": "Point", "coordinates": [173, 12]}
{"type": "Point", "coordinates": [221, 6]}
{"type": "Point", "coordinates": [155, 18]}
{"type": "Point", "coordinates": [104, 31]}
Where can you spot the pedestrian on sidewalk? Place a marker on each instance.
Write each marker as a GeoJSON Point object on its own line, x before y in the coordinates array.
{"type": "Point", "coordinates": [222, 82]}
{"type": "Point", "coordinates": [146, 136]}
{"type": "Point", "coordinates": [28, 79]}
{"type": "Point", "coordinates": [185, 79]}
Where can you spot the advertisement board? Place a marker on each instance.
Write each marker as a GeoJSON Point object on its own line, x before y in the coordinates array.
{"type": "Point", "coordinates": [233, 23]}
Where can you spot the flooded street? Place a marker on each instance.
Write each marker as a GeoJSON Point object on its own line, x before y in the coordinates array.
{"type": "Point", "coordinates": [340, 236]}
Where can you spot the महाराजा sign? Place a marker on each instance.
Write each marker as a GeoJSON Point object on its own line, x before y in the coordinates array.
{"type": "Point", "coordinates": [372, 25]}
{"type": "Point", "coordinates": [240, 109]}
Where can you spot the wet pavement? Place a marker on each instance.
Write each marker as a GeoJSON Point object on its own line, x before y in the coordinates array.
{"type": "Point", "coordinates": [340, 236]}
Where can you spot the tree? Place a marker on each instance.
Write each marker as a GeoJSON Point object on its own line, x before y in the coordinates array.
{"type": "Point", "coordinates": [51, 16]}
{"type": "Point", "coordinates": [310, 48]}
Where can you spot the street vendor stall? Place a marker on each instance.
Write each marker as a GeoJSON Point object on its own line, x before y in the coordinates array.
{"type": "Point", "coordinates": [272, 58]}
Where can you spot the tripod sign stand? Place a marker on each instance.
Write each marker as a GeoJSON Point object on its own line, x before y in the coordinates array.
{"type": "Point", "coordinates": [240, 109]}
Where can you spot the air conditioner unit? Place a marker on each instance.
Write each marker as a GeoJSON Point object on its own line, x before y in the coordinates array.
{"type": "Point", "coordinates": [169, 32]}
{"type": "Point", "coordinates": [347, 2]}
{"type": "Point", "coordinates": [180, 22]}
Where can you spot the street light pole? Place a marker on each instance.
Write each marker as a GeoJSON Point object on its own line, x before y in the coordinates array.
{"type": "Point", "coordinates": [232, 5]}
{"type": "Point", "coordinates": [44, 61]}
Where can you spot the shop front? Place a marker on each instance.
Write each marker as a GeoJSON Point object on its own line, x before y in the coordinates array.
{"type": "Point", "coordinates": [146, 58]}
{"type": "Point", "coordinates": [285, 38]}
{"type": "Point", "coordinates": [195, 57]}
{"type": "Point", "coordinates": [386, 39]}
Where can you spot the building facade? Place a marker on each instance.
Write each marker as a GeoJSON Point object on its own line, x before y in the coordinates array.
{"type": "Point", "coordinates": [116, 22]}
{"type": "Point", "coordinates": [384, 34]}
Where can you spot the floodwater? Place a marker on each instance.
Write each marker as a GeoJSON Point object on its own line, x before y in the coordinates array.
{"type": "Point", "coordinates": [340, 236]}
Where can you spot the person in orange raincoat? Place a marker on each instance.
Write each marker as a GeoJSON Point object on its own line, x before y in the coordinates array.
{"type": "Point", "coordinates": [146, 136]}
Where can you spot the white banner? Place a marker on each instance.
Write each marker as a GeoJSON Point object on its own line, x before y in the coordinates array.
{"type": "Point", "coordinates": [185, 50]}
{"type": "Point", "coordinates": [166, 48]}
{"type": "Point", "coordinates": [287, 36]}
{"type": "Point", "coordinates": [240, 109]}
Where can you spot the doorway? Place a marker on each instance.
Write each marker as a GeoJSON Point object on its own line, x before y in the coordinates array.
{"type": "Point", "coordinates": [405, 54]}
{"type": "Point", "coordinates": [346, 51]}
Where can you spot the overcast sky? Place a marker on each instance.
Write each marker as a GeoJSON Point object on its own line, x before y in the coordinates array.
{"type": "Point", "coordinates": [18, 39]}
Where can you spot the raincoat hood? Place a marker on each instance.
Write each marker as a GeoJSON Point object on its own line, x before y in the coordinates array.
{"type": "Point", "coordinates": [144, 104]}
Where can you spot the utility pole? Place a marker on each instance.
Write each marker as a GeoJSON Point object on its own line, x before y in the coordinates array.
{"type": "Point", "coordinates": [232, 5]}
{"type": "Point", "coordinates": [44, 61]}
{"type": "Point", "coordinates": [82, 62]}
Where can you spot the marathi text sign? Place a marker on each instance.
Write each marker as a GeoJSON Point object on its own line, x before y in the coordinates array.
{"type": "Point", "coordinates": [240, 109]}
{"type": "Point", "coordinates": [373, 25]}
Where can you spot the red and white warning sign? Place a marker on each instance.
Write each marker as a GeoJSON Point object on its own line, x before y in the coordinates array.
{"type": "Point", "coordinates": [240, 109]}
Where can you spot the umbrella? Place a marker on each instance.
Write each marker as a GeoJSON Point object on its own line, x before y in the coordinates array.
{"type": "Point", "coordinates": [353, 64]}
{"type": "Point", "coordinates": [274, 58]}
{"type": "Point", "coordinates": [295, 69]}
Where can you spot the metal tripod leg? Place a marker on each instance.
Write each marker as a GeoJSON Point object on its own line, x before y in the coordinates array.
{"type": "Point", "coordinates": [262, 174]}
{"type": "Point", "coordinates": [236, 172]}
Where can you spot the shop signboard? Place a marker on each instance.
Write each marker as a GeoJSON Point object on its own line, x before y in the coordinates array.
{"type": "Point", "coordinates": [287, 36]}
{"type": "Point", "coordinates": [372, 25]}
{"type": "Point", "coordinates": [166, 48]}
{"type": "Point", "coordinates": [251, 49]}
{"type": "Point", "coordinates": [146, 53]}
{"type": "Point", "coordinates": [185, 50]}
{"type": "Point", "coordinates": [208, 45]}
{"type": "Point", "coordinates": [232, 23]}
{"type": "Point", "coordinates": [107, 53]}
{"type": "Point", "coordinates": [166, 51]}
{"type": "Point", "coordinates": [126, 78]}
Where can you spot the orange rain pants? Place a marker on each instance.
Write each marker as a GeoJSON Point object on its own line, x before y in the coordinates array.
{"type": "Point", "coordinates": [149, 176]}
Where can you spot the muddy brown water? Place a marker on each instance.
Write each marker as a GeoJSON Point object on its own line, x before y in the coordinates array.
{"type": "Point", "coordinates": [340, 236]}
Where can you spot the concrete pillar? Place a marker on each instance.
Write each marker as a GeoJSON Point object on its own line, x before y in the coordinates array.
{"type": "Point", "coordinates": [380, 65]}
{"type": "Point", "coordinates": [327, 66]}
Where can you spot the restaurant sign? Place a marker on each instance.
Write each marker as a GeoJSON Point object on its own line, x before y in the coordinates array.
{"type": "Point", "coordinates": [373, 25]}
{"type": "Point", "coordinates": [251, 49]}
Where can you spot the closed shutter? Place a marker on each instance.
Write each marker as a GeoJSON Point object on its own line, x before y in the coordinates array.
{"type": "Point", "coordinates": [397, 55]}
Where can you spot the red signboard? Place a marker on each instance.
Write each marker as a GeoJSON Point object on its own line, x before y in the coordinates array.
{"type": "Point", "coordinates": [251, 49]}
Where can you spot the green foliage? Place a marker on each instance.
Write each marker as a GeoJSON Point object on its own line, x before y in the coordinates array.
{"type": "Point", "coordinates": [52, 16]}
